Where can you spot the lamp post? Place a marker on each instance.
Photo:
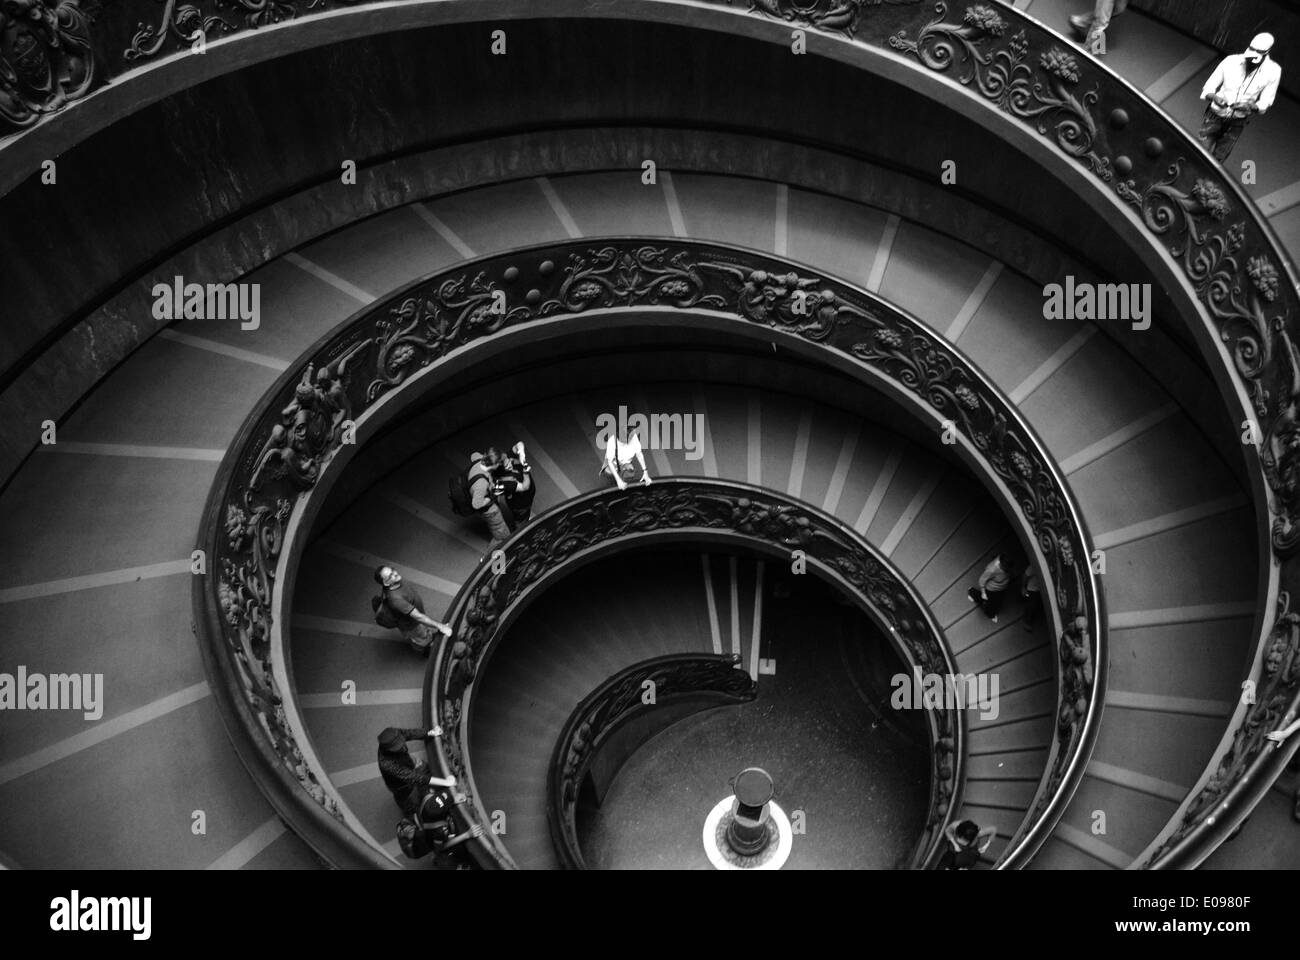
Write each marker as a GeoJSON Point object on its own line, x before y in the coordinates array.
{"type": "Point", "coordinates": [748, 830]}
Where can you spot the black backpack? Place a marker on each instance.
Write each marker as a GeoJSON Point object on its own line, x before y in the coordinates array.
{"type": "Point", "coordinates": [964, 859]}
{"type": "Point", "coordinates": [413, 832]}
{"type": "Point", "coordinates": [460, 495]}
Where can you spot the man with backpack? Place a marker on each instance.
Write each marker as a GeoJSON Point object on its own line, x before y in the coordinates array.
{"type": "Point", "coordinates": [401, 607]}
{"type": "Point", "coordinates": [478, 491]}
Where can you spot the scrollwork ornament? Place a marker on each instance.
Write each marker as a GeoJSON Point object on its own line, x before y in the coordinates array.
{"type": "Point", "coordinates": [1280, 455]}
{"type": "Point", "coordinates": [311, 426]}
{"type": "Point", "coordinates": [839, 16]}
{"type": "Point", "coordinates": [1238, 296]}
{"type": "Point", "coordinates": [975, 52]}
{"type": "Point", "coordinates": [189, 23]}
{"type": "Point", "coordinates": [422, 328]}
{"type": "Point", "coordinates": [46, 58]}
{"type": "Point", "coordinates": [649, 275]}
{"type": "Point", "coordinates": [254, 535]}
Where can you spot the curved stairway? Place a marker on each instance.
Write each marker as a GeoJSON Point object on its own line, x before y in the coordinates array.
{"type": "Point", "coordinates": [567, 645]}
{"type": "Point", "coordinates": [822, 725]}
{"type": "Point", "coordinates": [934, 523]}
{"type": "Point", "coordinates": [1171, 68]}
{"type": "Point", "coordinates": [103, 522]}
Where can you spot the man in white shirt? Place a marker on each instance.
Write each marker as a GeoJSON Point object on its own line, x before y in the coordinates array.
{"type": "Point", "coordinates": [1243, 85]}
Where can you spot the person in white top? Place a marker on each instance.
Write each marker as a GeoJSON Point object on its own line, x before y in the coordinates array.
{"type": "Point", "coordinates": [1092, 26]}
{"type": "Point", "coordinates": [622, 459]}
{"type": "Point", "coordinates": [1243, 85]}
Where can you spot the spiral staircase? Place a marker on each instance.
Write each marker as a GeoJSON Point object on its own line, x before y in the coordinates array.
{"type": "Point", "coordinates": [99, 575]}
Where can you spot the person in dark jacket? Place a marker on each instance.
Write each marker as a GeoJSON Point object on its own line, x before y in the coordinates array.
{"type": "Point", "coordinates": [1031, 591]}
{"type": "Point", "coordinates": [515, 477]}
{"type": "Point", "coordinates": [965, 842]}
{"type": "Point", "coordinates": [406, 779]}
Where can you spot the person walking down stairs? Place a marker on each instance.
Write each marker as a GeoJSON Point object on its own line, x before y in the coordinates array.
{"type": "Point", "coordinates": [400, 607]}
{"type": "Point", "coordinates": [992, 587]}
{"type": "Point", "coordinates": [1242, 86]}
{"type": "Point", "coordinates": [432, 829]}
{"type": "Point", "coordinates": [966, 841]}
{"type": "Point", "coordinates": [1092, 26]}
{"type": "Point", "coordinates": [497, 488]}
{"type": "Point", "coordinates": [406, 779]}
{"type": "Point", "coordinates": [1031, 592]}
{"type": "Point", "coordinates": [484, 490]}
{"type": "Point", "coordinates": [622, 458]}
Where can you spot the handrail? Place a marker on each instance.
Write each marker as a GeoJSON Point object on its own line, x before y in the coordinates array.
{"type": "Point", "coordinates": [684, 509]}
{"type": "Point", "coordinates": [364, 371]}
{"type": "Point", "coordinates": [711, 679]}
{"type": "Point", "coordinates": [1252, 762]}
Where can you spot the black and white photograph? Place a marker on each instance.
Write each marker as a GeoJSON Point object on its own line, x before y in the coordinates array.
{"type": "Point", "coordinates": [650, 435]}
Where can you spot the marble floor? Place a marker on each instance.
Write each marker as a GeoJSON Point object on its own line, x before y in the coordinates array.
{"type": "Point", "coordinates": [856, 770]}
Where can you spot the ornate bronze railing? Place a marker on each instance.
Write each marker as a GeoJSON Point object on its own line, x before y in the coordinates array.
{"type": "Point", "coordinates": [376, 363]}
{"type": "Point", "coordinates": [1212, 813]}
{"type": "Point", "coordinates": [694, 510]}
{"type": "Point", "coordinates": [695, 681]}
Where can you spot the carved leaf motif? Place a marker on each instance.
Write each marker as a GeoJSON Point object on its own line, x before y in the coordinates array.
{"type": "Point", "coordinates": [999, 72]}
{"type": "Point", "coordinates": [46, 58]}
{"type": "Point", "coordinates": [841, 16]}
